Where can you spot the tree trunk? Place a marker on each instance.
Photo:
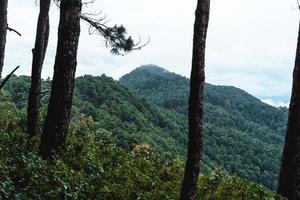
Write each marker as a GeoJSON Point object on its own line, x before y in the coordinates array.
{"type": "Point", "coordinates": [289, 178]}
{"type": "Point", "coordinates": [195, 144]}
{"type": "Point", "coordinates": [39, 52]}
{"type": "Point", "coordinates": [58, 117]}
{"type": "Point", "coordinates": [3, 31]}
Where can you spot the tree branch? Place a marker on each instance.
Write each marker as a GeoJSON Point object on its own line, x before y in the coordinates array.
{"type": "Point", "coordinates": [14, 30]}
{"type": "Point", "coordinates": [115, 37]}
{"type": "Point", "coordinates": [8, 77]}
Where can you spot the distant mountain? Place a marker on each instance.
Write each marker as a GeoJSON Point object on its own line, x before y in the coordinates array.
{"type": "Point", "coordinates": [171, 91]}
{"type": "Point", "coordinates": [131, 118]}
{"type": "Point", "coordinates": [242, 134]}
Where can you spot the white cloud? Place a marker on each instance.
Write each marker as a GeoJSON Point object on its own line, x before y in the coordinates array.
{"type": "Point", "coordinates": [276, 103]}
{"type": "Point", "coordinates": [251, 43]}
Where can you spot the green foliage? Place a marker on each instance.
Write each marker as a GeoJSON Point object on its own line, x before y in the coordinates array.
{"type": "Point", "coordinates": [130, 118]}
{"type": "Point", "coordinates": [92, 166]}
{"type": "Point", "coordinates": [115, 37]}
{"type": "Point", "coordinates": [242, 134]}
{"type": "Point", "coordinates": [11, 117]}
{"type": "Point", "coordinates": [18, 88]}
{"type": "Point", "coordinates": [219, 185]}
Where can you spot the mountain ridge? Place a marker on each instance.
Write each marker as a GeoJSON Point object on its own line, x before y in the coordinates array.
{"type": "Point", "coordinates": [237, 137]}
{"type": "Point", "coordinates": [228, 111]}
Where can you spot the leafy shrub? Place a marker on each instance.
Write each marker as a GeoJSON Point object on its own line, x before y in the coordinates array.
{"type": "Point", "coordinates": [92, 166]}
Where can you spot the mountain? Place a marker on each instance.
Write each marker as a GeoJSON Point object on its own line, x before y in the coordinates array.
{"type": "Point", "coordinates": [171, 91]}
{"type": "Point", "coordinates": [242, 134]}
{"type": "Point", "coordinates": [131, 118]}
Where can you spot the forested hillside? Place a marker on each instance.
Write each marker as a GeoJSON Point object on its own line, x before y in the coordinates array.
{"type": "Point", "coordinates": [233, 141]}
{"type": "Point", "coordinates": [152, 134]}
{"type": "Point", "coordinates": [93, 166]}
{"type": "Point", "coordinates": [242, 134]}
{"type": "Point", "coordinates": [131, 118]}
{"type": "Point", "coordinates": [114, 135]}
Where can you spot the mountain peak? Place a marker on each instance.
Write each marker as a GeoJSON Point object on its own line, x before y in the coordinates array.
{"type": "Point", "coordinates": [150, 69]}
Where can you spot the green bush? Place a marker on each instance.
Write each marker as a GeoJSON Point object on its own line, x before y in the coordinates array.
{"type": "Point", "coordinates": [92, 166]}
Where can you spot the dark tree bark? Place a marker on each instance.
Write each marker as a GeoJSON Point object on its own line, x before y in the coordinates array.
{"type": "Point", "coordinates": [289, 178]}
{"type": "Point", "coordinates": [195, 144]}
{"type": "Point", "coordinates": [39, 52]}
{"type": "Point", "coordinates": [58, 117]}
{"type": "Point", "coordinates": [3, 31]}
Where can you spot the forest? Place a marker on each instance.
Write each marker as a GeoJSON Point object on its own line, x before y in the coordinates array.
{"type": "Point", "coordinates": [149, 134]}
{"type": "Point", "coordinates": [130, 131]}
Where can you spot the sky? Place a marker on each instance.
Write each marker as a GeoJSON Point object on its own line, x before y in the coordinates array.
{"type": "Point", "coordinates": [251, 44]}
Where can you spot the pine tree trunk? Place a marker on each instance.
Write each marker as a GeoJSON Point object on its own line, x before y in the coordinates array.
{"type": "Point", "coordinates": [195, 144]}
{"type": "Point", "coordinates": [59, 109]}
{"type": "Point", "coordinates": [289, 178]}
{"type": "Point", "coordinates": [39, 52]}
{"type": "Point", "coordinates": [3, 31]}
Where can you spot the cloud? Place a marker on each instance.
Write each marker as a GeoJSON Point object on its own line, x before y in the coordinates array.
{"type": "Point", "coordinates": [251, 44]}
{"type": "Point", "coordinates": [276, 103]}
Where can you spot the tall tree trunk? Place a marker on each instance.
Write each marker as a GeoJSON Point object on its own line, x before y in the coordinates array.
{"type": "Point", "coordinates": [195, 144]}
{"type": "Point", "coordinates": [39, 52]}
{"type": "Point", "coordinates": [3, 31]}
{"type": "Point", "coordinates": [289, 178]}
{"type": "Point", "coordinates": [58, 117]}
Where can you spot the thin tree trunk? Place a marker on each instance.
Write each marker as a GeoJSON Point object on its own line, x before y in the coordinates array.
{"type": "Point", "coordinates": [3, 31]}
{"type": "Point", "coordinates": [58, 117]}
{"type": "Point", "coordinates": [289, 178]}
{"type": "Point", "coordinates": [39, 52]}
{"type": "Point", "coordinates": [195, 144]}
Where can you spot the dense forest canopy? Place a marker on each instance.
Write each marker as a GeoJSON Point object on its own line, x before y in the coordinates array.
{"type": "Point", "coordinates": [152, 134]}
{"type": "Point", "coordinates": [113, 126]}
{"type": "Point", "coordinates": [239, 143]}
{"type": "Point", "coordinates": [242, 134]}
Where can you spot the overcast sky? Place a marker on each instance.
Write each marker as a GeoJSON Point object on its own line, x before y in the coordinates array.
{"type": "Point", "coordinates": [251, 43]}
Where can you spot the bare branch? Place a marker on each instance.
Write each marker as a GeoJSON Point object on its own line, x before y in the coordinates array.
{"type": "Point", "coordinates": [8, 77]}
{"type": "Point", "coordinates": [14, 30]}
{"type": "Point", "coordinates": [88, 2]}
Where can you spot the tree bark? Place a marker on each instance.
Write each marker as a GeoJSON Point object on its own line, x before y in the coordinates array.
{"type": "Point", "coordinates": [39, 52]}
{"type": "Point", "coordinates": [58, 117]}
{"type": "Point", "coordinates": [3, 31]}
{"type": "Point", "coordinates": [195, 144]}
{"type": "Point", "coordinates": [289, 178]}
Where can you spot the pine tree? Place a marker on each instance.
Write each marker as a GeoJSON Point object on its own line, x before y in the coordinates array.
{"type": "Point", "coordinates": [59, 109]}
{"type": "Point", "coordinates": [289, 178]}
{"type": "Point", "coordinates": [3, 31]}
{"type": "Point", "coordinates": [39, 52]}
{"type": "Point", "coordinates": [195, 144]}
